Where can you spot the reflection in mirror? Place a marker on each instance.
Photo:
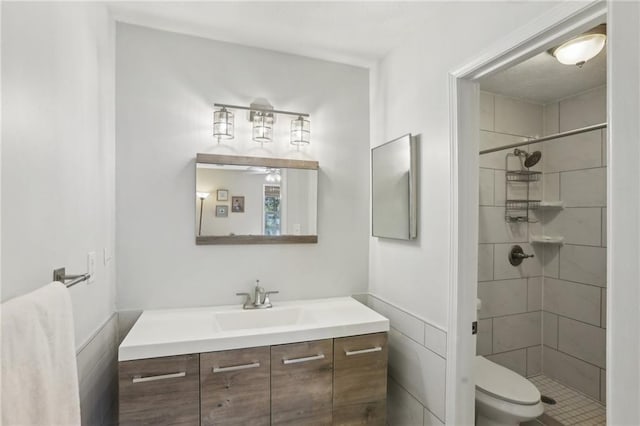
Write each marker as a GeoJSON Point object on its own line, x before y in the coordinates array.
{"type": "Point", "coordinates": [393, 187]}
{"type": "Point", "coordinates": [255, 202]}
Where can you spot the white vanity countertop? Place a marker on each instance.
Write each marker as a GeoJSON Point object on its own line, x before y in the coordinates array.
{"type": "Point", "coordinates": [167, 332]}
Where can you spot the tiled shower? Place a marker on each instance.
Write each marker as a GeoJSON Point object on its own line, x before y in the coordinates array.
{"type": "Point", "coordinates": [546, 316]}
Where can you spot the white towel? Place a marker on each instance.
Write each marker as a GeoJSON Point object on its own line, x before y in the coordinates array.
{"type": "Point", "coordinates": [39, 372]}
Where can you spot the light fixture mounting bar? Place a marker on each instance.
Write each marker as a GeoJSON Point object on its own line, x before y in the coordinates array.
{"type": "Point", "coordinates": [272, 111]}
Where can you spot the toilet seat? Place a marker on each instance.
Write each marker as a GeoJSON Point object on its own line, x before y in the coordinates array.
{"type": "Point", "coordinates": [502, 383]}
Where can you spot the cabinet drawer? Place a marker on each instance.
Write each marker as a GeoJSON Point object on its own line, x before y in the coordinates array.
{"type": "Point", "coordinates": [160, 391]}
{"type": "Point", "coordinates": [368, 413]}
{"type": "Point", "coordinates": [301, 383]}
{"type": "Point", "coordinates": [234, 387]}
{"type": "Point", "coordinates": [360, 369]}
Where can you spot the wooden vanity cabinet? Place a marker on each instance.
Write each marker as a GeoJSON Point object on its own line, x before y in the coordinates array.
{"type": "Point", "coordinates": [340, 381]}
{"type": "Point", "coordinates": [235, 387]}
{"type": "Point", "coordinates": [160, 391]}
{"type": "Point", "coordinates": [360, 379]}
{"type": "Point", "coordinates": [301, 383]}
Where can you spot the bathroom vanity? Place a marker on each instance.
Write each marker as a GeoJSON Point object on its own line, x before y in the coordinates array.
{"type": "Point", "coordinates": [308, 362]}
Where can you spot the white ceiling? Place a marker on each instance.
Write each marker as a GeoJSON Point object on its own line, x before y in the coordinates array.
{"type": "Point", "coordinates": [356, 33]}
{"type": "Point", "coordinates": [544, 80]}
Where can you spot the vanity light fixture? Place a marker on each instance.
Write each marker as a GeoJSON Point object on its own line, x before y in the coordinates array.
{"type": "Point", "coordinates": [273, 176]}
{"type": "Point", "coordinates": [262, 117]}
{"type": "Point", "coordinates": [223, 124]}
{"type": "Point", "coordinates": [202, 196]}
{"type": "Point", "coordinates": [300, 131]}
{"type": "Point", "coordinates": [262, 127]}
{"type": "Point", "coordinates": [580, 49]}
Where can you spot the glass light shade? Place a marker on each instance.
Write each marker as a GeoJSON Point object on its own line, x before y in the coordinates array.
{"type": "Point", "coordinates": [223, 124]}
{"type": "Point", "coordinates": [300, 131]}
{"type": "Point", "coordinates": [274, 176]}
{"type": "Point", "coordinates": [202, 195]}
{"type": "Point", "coordinates": [262, 127]}
{"type": "Point", "coordinates": [580, 49]}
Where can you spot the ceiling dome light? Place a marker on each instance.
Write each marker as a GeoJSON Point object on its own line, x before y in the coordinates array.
{"type": "Point", "coordinates": [580, 49]}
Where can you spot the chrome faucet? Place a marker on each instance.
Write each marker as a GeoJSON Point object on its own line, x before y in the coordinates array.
{"type": "Point", "coordinates": [260, 298]}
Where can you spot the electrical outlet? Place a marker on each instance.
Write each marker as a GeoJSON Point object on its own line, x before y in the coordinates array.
{"type": "Point", "coordinates": [297, 229]}
{"type": "Point", "coordinates": [91, 266]}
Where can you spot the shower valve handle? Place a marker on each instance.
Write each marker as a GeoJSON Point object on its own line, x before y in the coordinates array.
{"type": "Point", "coordinates": [517, 255]}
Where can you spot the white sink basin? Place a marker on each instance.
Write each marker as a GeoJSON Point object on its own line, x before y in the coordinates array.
{"type": "Point", "coordinates": [168, 332]}
{"type": "Point", "coordinates": [272, 317]}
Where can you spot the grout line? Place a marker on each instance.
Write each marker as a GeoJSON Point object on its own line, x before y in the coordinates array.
{"type": "Point", "coordinates": [572, 319]}
{"type": "Point", "coordinates": [577, 358]}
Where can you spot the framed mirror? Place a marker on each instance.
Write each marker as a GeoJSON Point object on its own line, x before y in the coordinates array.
{"type": "Point", "coordinates": [253, 200]}
{"type": "Point", "coordinates": [394, 190]}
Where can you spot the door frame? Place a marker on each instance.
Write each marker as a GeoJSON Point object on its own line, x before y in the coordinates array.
{"type": "Point", "coordinates": [562, 21]}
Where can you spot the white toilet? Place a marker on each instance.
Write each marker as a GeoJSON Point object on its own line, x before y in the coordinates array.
{"type": "Point", "coordinates": [503, 398]}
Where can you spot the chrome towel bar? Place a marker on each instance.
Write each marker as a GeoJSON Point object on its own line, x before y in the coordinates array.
{"type": "Point", "coordinates": [61, 276]}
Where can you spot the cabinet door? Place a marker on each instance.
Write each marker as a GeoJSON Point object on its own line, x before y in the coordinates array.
{"type": "Point", "coordinates": [301, 388]}
{"type": "Point", "coordinates": [360, 379]}
{"type": "Point", "coordinates": [160, 391]}
{"type": "Point", "coordinates": [234, 387]}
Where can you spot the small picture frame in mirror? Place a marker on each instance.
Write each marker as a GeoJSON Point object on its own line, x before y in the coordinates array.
{"type": "Point", "coordinates": [237, 204]}
{"type": "Point", "coordinates": [222, 195]}
{"type": "Point", "coordinates": [222, 211]}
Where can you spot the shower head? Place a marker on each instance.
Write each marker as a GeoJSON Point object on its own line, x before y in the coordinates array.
{"type": "Point", "coordinates": [530, 160]}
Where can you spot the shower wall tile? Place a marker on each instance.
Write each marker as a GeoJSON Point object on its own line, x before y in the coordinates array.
{"type": "Point", "coordinates": [502, 297]}
{"type": "Point", "coordinates": [577, 225]}
{"type": "Point", "coordinates": [571, 371]}
{"type": "Point", "coordinates": [485, 262]}
{"type": "Point", "coordinates": [534, 361]}
{"type": "Point", "coordinates": [551, 261]}
{"type": "Point", "coordinates": [551, 186]}
{"type": "Point", "coordinates": [517, 117]}
{"type": "Point", "coordinates": [486, 187]}
{"type": "Point", "coordinates": [582, 151]}
{"type": "Point", "coordinates": [584, 188]}
{"type": "Point", "coordinates": [534, 294]}
{"type": "Point", "coordinates": [486, 111]}
{"type": "Point", "coordinates": [503, 270]}
{"type": "Point", "coordinates": [584, 110]}
{"type": "Point", "coordinates": [603, 385]}
{"type": "Point", "coordinates": [573, 300]}
{"type": "Point", "coordinates": [550, 329]}
{"type": "Point", "coordinates": [516, 331]}
{"type": "Point", "coordinates": [603, 308]}
{"type": "Point", "coordinates": [583, 341]}
{"type": "Point", "coordinates": [604, 147]}
{"type": "Point", "coordinates": [484, 342]}
{"type": "Point", "coordinates": [513, 360]}
{"type": "Point", "coordinates": [497, 160]}
{"type": "Point", "coordinates": [551, 117]}
{"type": "Point", "coordinates": [500, 190]}
{"type": "Point", "coordinates": [584, 264]}
{"type": "Point", "coordinates": [604, 227]}
{"type": "Point", "coordinates": [494, 229]}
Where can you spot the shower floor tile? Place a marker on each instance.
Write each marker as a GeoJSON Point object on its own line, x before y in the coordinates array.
{"type": "Point", "coordinates": [572, 407]}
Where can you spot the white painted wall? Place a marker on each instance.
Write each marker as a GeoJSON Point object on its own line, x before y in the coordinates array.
{"type": "Point", "coordinates": [58, 173]}
{"type": "Point", "coordinates": [58, 152]}
{"type": "Point", "coordinates": [409, 94]}
{"type": "Point", "coordinates": [166, 86]}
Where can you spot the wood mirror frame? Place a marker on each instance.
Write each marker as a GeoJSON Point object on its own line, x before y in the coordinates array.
{"type": "Point", "coordinates": [258, 162]}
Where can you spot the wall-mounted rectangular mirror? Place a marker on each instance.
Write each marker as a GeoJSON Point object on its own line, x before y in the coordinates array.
{"type": "Point", "coordinates": [394, 191]}
{"type": "Point", "coordinates": [252, 200]}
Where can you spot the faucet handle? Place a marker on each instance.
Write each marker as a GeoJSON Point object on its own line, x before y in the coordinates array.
{"type": "Point", "coordinates": [247, 295]}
